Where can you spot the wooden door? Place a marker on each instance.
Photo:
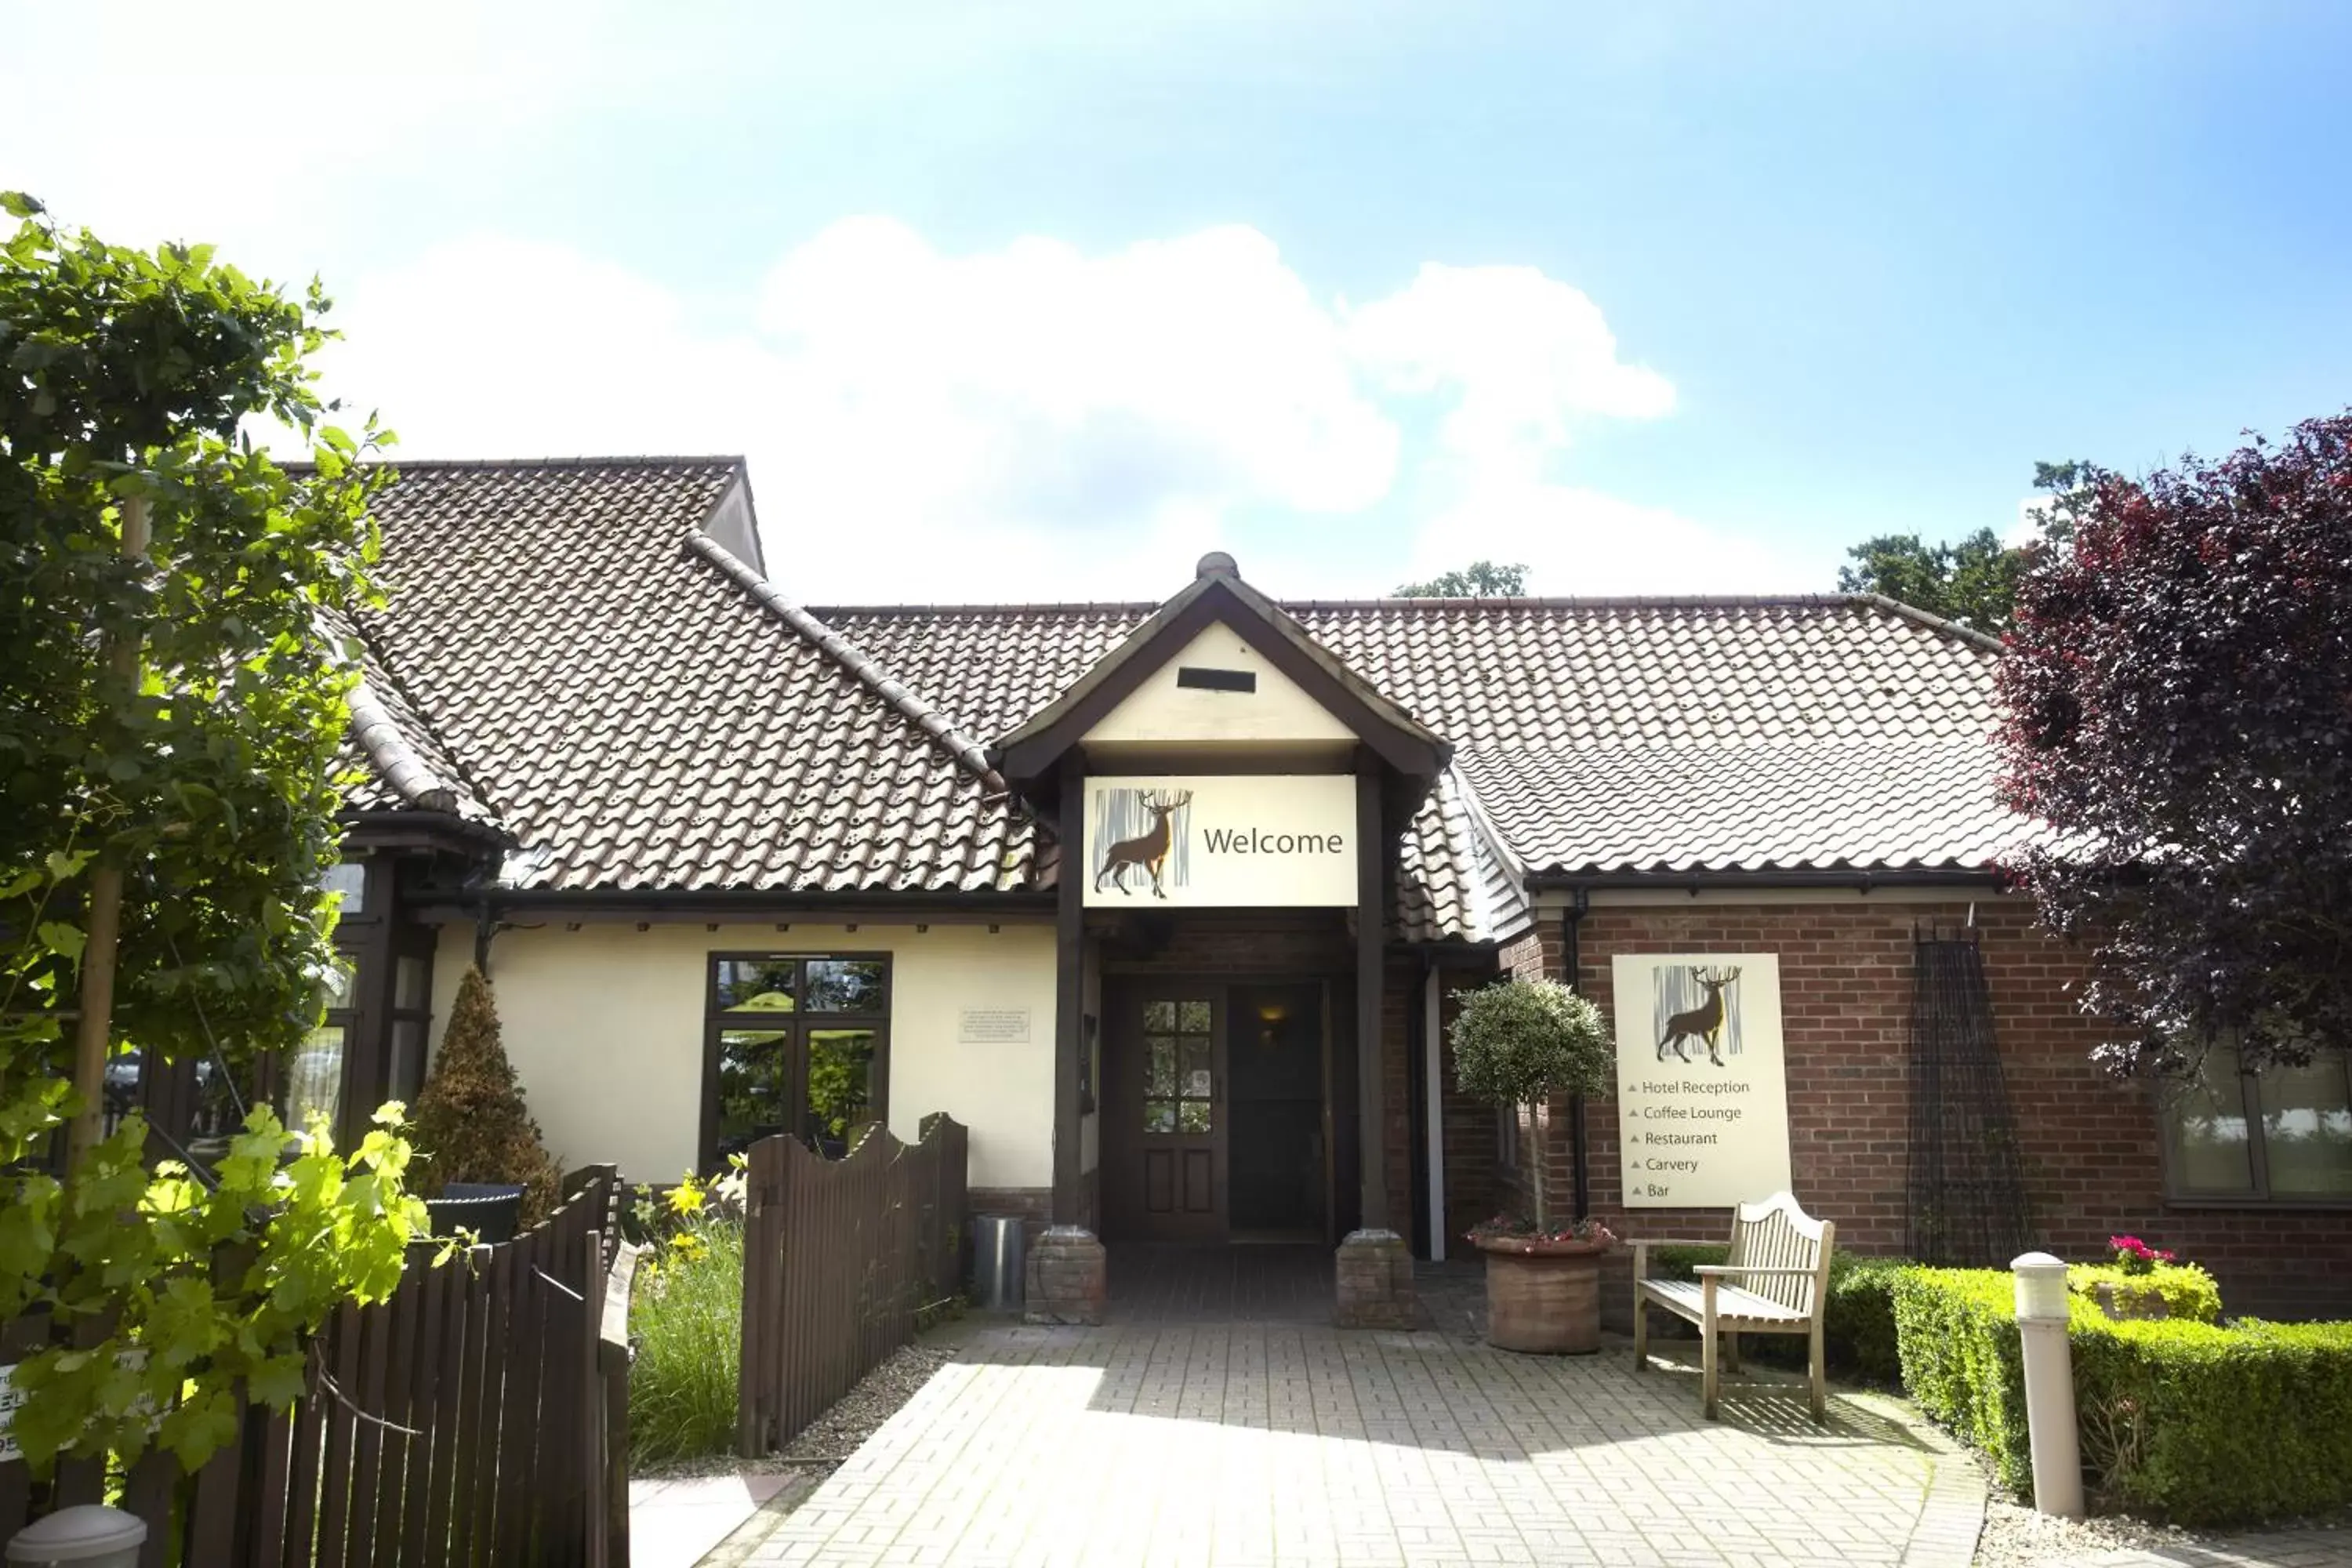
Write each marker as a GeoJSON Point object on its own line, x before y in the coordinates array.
{"type": "Point", "coordinates": [1164, 1111]}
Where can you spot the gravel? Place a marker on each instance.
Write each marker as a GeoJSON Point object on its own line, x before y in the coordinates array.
{"type": "Point", "coordinates": [2015, 1536]}
{"type": "Point", "coordinates": [856, 1415]}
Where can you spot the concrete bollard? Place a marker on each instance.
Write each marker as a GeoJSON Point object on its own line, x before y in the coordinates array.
{"type": "Point", "coordinates": [2042, 1313]}
{"type": "Point", "coordinates": [90, 1535]}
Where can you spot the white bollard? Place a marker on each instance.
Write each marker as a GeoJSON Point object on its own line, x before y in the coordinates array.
{"type": "Point", "coordinates": [2042, 1313]}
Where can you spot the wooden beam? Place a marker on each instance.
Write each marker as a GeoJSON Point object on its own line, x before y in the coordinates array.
{"type": "Point", "coordinates": [1371, 1102]}
{"type": "Point", "coordinates": [1070, 992]}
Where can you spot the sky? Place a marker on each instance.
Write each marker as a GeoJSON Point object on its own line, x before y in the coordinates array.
{"type": "Point", "coordinates": [1046, 300]}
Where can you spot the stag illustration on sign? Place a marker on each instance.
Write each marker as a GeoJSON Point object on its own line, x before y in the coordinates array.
{"type": "Point", "coordinates": [1693, 1009]}
{"type": "Point", "coordinates": [1119, 850]}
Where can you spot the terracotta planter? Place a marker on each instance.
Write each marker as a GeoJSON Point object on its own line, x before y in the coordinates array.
{"type": "Point", "coordinates": [1543, 1297]}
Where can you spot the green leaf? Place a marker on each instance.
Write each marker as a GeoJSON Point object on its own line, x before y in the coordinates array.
{"type": "Point", "coordinates": [66, 941]}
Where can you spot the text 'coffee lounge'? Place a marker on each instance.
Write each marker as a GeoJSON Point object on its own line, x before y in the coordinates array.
{"type": "Point", "coordinates": [1169, 903]}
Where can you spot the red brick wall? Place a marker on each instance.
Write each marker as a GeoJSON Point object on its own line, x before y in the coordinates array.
{"type": "Point", "coordinates": [2089, 1144]}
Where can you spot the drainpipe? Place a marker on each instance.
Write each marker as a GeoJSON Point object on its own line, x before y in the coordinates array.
{"type": "Point", "coordinates": [485, 928]}
{"type": "Point", "coordinates": [1569, 961]}
{"type": "Point", "coordinates": [1432, 1042]}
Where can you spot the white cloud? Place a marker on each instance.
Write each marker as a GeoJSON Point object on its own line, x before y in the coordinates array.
{"type": "Point", "coordinates": [259, 126]}
{"type": "Point", "coordinates": [1037, 420]}
{"type": "Point", "coordinates": [1523, 354]}
{"type": "Point", "coordinates": [1575, 540]}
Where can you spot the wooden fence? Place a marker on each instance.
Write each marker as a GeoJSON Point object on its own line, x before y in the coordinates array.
{"type": "Point", "coordinates": [479, 1416]}
{"type": "Point", "coordinates": [838, 1258]}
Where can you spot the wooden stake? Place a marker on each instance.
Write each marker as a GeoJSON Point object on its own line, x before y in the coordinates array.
{"type": "Point", "coordinates": [95, 1029]}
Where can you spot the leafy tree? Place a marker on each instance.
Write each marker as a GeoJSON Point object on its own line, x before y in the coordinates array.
{"type": "Point", "coordinates": [2177, 711]}
{"type": "Point", "coordinates": [1975, 580]}
{"type": "Point", "coordinates": [1479, 580]}
{"type": "Point", "coordinates": [471, 1122]}
{"type": "Point", "coordinates": [170, 710]}
{"type": "Point", "coordinates": [1519, 1042]}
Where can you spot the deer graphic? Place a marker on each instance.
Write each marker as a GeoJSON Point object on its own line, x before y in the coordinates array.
{"type": "Point", "coordinates": [1702, 1023]}
{"type": "Point", "coordinates": [1149, 850]}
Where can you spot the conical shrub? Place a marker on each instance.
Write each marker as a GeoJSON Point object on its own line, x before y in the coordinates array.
{"type": "Point", "coordinates": [471, 1123]}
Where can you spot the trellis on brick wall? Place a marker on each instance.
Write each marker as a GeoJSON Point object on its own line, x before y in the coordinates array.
{"type": "Point", "coordinates": [1967, 1189]}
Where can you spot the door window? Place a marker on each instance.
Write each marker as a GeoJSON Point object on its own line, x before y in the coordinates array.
{"type": "Point", "coordinates": [1179, 1067]}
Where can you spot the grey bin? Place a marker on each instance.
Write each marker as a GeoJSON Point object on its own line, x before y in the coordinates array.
{"type": "Point", "coordinates": [90, 1535]}
{"type": "Point", "coordinates": [998, 1248]}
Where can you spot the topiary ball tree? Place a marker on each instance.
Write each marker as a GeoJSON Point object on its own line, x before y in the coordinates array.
{"type": "Point", "coordinates": [1519, 1042]}
{"type": "Point", "coordinates": [471, 1122]}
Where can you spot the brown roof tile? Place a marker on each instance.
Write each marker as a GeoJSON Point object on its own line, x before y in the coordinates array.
{"type": "Point", "coordinates": [645, 720]}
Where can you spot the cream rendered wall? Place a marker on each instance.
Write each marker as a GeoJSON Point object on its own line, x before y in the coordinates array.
{"type": "Point", "coordinates": [1160, 711]}
{"type": "Point", "coordinates": [604, 1025]}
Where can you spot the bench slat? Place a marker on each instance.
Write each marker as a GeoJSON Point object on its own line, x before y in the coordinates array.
{"type": "Point", "coordinates": [1686, 1299]}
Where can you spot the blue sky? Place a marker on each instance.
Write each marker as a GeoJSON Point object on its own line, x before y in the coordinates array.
{"type": "Point", "coordinates": [1046, 300]}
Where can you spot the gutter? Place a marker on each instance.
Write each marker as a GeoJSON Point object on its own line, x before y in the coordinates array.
{"type": "Point", "coordinates": [1696, 881]}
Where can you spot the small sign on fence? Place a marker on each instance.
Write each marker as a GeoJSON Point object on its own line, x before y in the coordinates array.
{"type": "Point", "coordinates": [992, 1026]}
{"type": "Point", "coordinates": [9, 1399]}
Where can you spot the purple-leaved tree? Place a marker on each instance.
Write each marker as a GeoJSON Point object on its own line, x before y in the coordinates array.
{"type": "Point", "coordinates": [2178, 689]}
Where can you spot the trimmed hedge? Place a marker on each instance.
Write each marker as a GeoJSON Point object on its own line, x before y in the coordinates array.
{"type": "Point", "coordinates": [2189, 1293]}
{"type": "Point", "coordinates": [2207, 1425]}
{"type": "Point", "coordinates": [1956, 1331]}
{"type": "Point", "coordinates": [2184, 1420]}
{"type": "Point", "coordinates": [1857, 1325]}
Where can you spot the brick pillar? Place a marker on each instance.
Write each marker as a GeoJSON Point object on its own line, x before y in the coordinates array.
{"type": "Point", "coordinates": [1068, 1278]}
{"type": "Point", "coordinates": [1375, 1285]}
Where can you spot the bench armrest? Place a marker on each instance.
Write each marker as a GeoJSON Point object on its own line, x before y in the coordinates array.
{"type": "Point", "coordinates": [1703, 1269]}
{"type": "Point", "coordinates": [1641, 1252]}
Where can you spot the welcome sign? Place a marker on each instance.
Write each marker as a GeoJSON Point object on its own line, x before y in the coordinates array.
{"type": "Point", "coordinates": [1702, 1083]}
{"type": "Point", "coordinates": [1230, 841]}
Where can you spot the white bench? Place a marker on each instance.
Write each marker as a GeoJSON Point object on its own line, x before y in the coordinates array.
{"type": "Point", "coordinates": [1774, 1281]}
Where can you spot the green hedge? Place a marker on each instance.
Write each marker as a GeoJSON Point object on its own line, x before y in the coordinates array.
{"type": "Point", "coordinates": [2185, 1420]}
{"type": "Point", "coordinates": [1857, 1326]}
{"type": "Point", "coordinates": [1956, 1331]}
{"type": "Point", "coordinates": [2188, 1291]}
{"type": "Point", "coordinates": [2206, 1425]}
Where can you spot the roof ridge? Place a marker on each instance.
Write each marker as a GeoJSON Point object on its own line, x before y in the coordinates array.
{"type": "Point", "coordinates": [384, 737]}
{"type": "Point", "coordinates": [1933, 622]}
{"type": "Point", "coordinates": [921, 714]}
{"type": "Point", "coordinates": [614, 460]}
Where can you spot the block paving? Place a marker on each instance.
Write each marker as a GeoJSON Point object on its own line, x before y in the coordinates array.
{"type": "Point", "coordinates": [1253, 1445]}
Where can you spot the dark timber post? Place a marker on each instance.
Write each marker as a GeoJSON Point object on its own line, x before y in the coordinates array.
{"type": "Point", "coordinates": [1069, 994]}
{"type": "Point", "coordinates": [1372, 859]}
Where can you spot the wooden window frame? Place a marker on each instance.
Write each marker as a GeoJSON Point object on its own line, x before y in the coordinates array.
{"type": "Point", "coordinates": [718, 1021]}
{"type": "Point", "coordinates": [2258, 1196]}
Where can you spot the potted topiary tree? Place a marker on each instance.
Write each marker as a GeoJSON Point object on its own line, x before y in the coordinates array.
{"type": "Point", "coordinates": [1517, 1043]}
{"type": "Point", "coordinates": [483, 1168]}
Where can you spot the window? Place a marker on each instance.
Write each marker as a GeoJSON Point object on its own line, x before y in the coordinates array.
{"type": "Point", "coordinates": [2283, 1135]}
{"type": "Point", "coordinates": [794, 1043]}
{"type": "Point", "coordinates": [312, 1081]}
{"type": "Point", "coordinates": [348, 881]}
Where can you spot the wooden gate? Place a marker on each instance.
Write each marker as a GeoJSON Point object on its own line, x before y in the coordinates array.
{"type": "Point", "coordinates": [839, 1256]}
{"type": "Point", "coordinates": [480, 1416]}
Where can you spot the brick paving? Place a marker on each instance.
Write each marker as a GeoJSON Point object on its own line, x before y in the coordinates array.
{"type": "Point", "coordinates": [1259, 1445]}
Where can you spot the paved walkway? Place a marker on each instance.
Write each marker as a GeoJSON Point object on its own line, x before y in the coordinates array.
{"type": "Point", "coordinates": [1239, 1445]}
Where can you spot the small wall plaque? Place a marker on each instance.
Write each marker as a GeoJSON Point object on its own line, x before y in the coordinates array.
{"type": "Point", "coordinates": [992, 1026]}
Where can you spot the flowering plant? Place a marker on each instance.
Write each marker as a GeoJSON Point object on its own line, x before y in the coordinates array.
{"type": "Point", "coordinates": [2133, 1256]}
{"type": "Point", "coordinates": [1503, 1230]}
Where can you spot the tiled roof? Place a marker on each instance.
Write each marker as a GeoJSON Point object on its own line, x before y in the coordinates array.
{"type": "Point", "coordinates": [1601, 736]}
{"type": "Point", "coordinates": [641, 717]}
{"type": "Point", "coordinates": [391, 757]}
{"type": "Point", "coordinates": [569, 653]}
